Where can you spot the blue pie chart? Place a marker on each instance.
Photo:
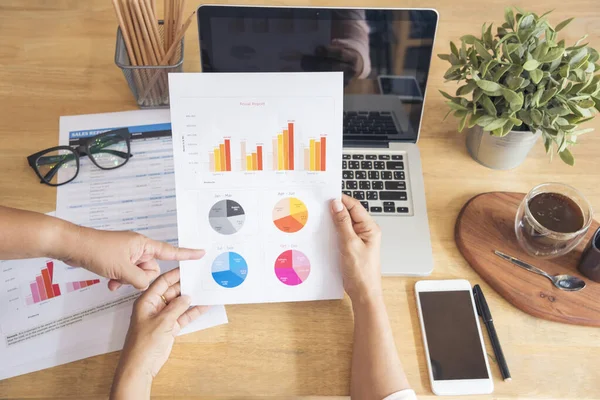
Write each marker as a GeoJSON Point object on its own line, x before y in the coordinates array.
{"type": "Point", "coordinates": [229, 269]}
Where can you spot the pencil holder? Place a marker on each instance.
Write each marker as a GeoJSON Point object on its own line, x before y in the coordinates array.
{"type": "Point", "coordinates": [148, 83]}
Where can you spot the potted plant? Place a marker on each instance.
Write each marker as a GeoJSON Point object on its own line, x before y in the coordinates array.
{"type": "Point", "coordinates": [520, 85]}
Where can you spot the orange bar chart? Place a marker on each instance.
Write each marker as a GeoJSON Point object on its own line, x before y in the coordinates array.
{"type": "Point", "coordinates": [254, 160]}
{"type": "Point", "coordinates": [315, 155]}
{"type": "Point", "coordinates": [284, 148]}
{"type": "Point", "coordinates": [219, 159]}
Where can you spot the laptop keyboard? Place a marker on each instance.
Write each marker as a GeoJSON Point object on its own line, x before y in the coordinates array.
{"type": "Point", "coordinates": [374, 123]}
{"type": "Point", "coordinates": [378, 181]}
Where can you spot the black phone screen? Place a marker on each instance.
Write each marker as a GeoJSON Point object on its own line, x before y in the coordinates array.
{"type": "Point", "coordinates": [455, 349]}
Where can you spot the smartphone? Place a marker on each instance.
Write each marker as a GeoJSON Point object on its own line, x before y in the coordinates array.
{"type": "Point", "coordinates": [456, 357]}
{"type": "Point", "coordinates": [405, 87]}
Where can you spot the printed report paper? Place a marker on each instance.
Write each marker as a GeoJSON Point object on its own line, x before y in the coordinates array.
{"type": "Point", "coordinates": [257, 163]}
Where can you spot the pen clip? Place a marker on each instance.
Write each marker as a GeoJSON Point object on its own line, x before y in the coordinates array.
{"type": "Point", "coordinates": [476, 299]}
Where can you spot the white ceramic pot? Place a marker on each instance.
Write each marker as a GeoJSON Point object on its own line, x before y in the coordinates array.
{"type": "Point", "coordinates": [505, 152]}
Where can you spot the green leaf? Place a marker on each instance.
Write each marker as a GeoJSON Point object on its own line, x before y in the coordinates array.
{"type": "Point", "coordinates": [456, 107]}
{"type": "Point", "coordinates": [453, 49]}
{"type": "Point", "coordinates": [481, 50]}
{"type": "Point", "coordinates": [561, 111]}
{"type": "Point", "coordinates": [536, 76]}
{"type": "Point", "coordinates": [500, 72]}
{"type": "Point", "coordinates": [536, 116]}
{"type": "Point", "coordinates": [496, 124]}
{"type": "Point", "coordinates": [582, 131]}
{"type": "Point", "coordinates": [514, 82]}
{"type": "Point", "coordinates": [452, 72]}
{"type": "Point", "coordinates": [515, 101]}
{"type": "Point", "coordinates": [564, 70]}
{"type": "Point", "coordinates": [547, 96]}
{"type": "Point", "coordinates": [535, 101]}
{"type": "Point", "coordinates": [485, 120]}
{"type": "Point", "coordinates": [462, 123]}
{"type": "Point", "coordinates": [578, 56]}
{"type": "Point", "coordinates": [531, 65]}
{"type": "Point", "coordinates": [581, 63]}
{"type": "Point", "coordinates": [488, 105]}
{"type": "Point", "coordinates": [488, 37]}
{"type": "Point", "coordinates": [567, 157]}
{"type": "Point", "coordinates": [547, 144]}
{"type": "Point", "coordinates": [515, 121]}
{"type": "Point", "coordinates": [449, 97]}
{"type": "Point", "coordinates": [526, 22]}
{"type": "Point", "coordinates": [552, 55]}
{"type": "Point", "coordinates": [489, 86]}
{"type": "Point", "coordinates": [563, 24]}
{"type": "Point", "coordinates": [509, 17]}
{"type": "Point", "coordinates": [463, 52]}
{"type": "Point", "coordinates": [468, 39]}
{"type": "Point", "coordinates": [477, 93]}
{"type": "Point", "coordinates": [474, 118]}
{"type": "Point", "coordinates": [507, 128]}
{"type": "Point", "coordinates": [445, 57]}
{"type": "Point", "coordinates": [466, 89]}
{"type": "Point", "coordinates": [586, 104]}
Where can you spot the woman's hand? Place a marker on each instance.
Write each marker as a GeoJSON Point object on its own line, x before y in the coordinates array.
{"type": "Point", "coordinates": [122, 256]}
{"type": "Point", "coordinates": [359, 244]}
{"type": "Point", "coordinates": [154, 325]}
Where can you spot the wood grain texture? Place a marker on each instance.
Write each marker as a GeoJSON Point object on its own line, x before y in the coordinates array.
{"type": "Point", "coordinates": [57, 58]}
{"type": "Point", "coordinates": [486, 223]}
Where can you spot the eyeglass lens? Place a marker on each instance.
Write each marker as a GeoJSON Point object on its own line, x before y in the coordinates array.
{"type": "Point", "coordinates": [109, 151]}
{"type": "Point", "coordinates": [57, 166]}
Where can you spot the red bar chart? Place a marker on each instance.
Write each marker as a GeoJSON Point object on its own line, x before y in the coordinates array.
{"type": "Point", "coordinates": [73, 286]}
{"type": "Point", "coordinates": [43, 288]}
{"type": "Point", "coordinates": [220, 157]}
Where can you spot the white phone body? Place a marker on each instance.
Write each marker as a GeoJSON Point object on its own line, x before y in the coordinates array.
{"type": "Point", "coordinates": [443, 309]}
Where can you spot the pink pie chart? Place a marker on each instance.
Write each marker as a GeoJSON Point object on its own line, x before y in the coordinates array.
{"type": "Point", "coordinates": [292, 267]}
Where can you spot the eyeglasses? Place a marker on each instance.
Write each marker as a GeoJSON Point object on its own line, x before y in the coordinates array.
{"type": "Point", "coordinates": [59, 165]}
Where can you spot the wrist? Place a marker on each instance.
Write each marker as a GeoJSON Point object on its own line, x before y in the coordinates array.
{"type": "Point", "coordinates": [131, 382]}
{"type": "Point", "coordinates": [60, 238]}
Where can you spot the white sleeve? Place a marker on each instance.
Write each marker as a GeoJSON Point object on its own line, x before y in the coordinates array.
{"type": "Point", "coordinates": [407, 394]}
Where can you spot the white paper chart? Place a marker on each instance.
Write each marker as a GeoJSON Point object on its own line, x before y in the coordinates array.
{"type": "Point", "coordinates": [257, 162]}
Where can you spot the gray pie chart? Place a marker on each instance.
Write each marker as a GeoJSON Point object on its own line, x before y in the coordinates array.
{"type": "Point", "coordinates": [226, 217]}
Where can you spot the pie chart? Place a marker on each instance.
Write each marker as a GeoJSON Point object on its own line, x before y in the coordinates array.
{"type": "Point", "coordinates": [290, 215]}
{"type": "Point", "coordinates": [292, 267]}
{"type": "Point", "coordinates": [229, 269]}
{"type": "Point", "coordinates": [226, 217]}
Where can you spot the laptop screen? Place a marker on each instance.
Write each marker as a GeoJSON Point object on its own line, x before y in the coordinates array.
{"type": "Point", "coordinates": [379, 51]}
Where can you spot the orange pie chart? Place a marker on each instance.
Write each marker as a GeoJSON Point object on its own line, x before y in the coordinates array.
{"type": "Point", "coordinates": [290, 215]}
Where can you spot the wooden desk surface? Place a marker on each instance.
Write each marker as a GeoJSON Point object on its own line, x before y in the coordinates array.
{"type": "Point", "coordinates": [56, 58]}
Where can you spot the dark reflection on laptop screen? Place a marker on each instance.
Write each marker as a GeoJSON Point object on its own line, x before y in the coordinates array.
{"type": "Point", "coordinates": [377, 50]}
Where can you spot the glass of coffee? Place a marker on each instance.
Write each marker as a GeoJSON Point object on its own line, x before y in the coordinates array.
{"type": "Point", "coordinates": [552, 219]}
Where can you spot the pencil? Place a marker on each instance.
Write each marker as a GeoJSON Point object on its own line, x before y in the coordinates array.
{"type": "Point", "coordinates": [172, 50]}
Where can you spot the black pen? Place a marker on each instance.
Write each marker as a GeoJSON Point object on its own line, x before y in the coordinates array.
{"type": "Point", "coordinates": [484, 312]}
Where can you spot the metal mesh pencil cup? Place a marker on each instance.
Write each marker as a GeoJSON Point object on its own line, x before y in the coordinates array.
{"type": "Point", "coordinates": [148, 83]}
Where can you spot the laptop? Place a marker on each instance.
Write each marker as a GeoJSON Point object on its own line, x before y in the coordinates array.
{"type": "Point", "coordinates": [381, 161]}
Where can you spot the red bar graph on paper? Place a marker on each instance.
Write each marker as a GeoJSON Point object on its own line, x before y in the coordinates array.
{"type": "Point", "coordinates": [227, 155]}
{"type": "Point", "coordinates": [73, 286]}
{"type": "Point", "coordinates": [323, 153]}
{"type": "Point", "coordinates": [291, 146]}
{"type": "Point", "coordinates": [259, 155]}
{"type": "Point", "coordinates": [43, 288]}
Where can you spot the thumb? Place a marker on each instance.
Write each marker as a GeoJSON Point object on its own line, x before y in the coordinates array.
{"type": "Point", "coordinates": [342, 220]}
{"type": "Point", "coordinates": [134, 275]}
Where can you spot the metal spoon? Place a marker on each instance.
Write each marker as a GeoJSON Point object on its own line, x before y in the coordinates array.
{"type": "Point", "coordinates": [563, 282]}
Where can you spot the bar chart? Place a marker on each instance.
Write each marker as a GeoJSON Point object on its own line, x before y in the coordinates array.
{"type": "Point", "coordinates": [315, 155]}
{"type": "Point", "coordinates": [42, 288]}
{"type": "Point", "coordinates": [73, 286]}
{"type": "Point", "coordinates": [220, 157]}
{"type": "Point", "coordinates": [253, 161]}
{"type": "Point", "coordinates": [283, 149]}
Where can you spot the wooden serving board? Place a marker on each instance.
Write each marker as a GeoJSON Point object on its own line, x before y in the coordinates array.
{"type": "Point", "coordinates": [485, 224]}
